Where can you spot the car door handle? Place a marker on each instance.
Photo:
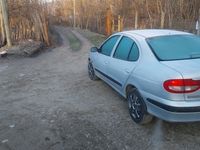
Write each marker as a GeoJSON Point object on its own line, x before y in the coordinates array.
{"type": "Point", "coordinates": [106, 62]}
{"type": "Point", "coordinates": [127, 71]}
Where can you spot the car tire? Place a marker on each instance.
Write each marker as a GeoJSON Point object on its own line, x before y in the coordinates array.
{"type": "Point", "coordinates": [91, 72]}
{"type": "Point", "coordinates": [137, 107]}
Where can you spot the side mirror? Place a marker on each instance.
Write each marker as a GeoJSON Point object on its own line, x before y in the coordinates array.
{"type": "Point", "coordinates": [94, 49]}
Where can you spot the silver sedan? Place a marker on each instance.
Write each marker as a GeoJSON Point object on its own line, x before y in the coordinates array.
{"type": "Point", "coordinates": [157, 71]}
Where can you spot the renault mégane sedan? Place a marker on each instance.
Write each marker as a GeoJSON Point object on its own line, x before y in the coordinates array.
{"type": "Point", "coordinates": [157, 71]}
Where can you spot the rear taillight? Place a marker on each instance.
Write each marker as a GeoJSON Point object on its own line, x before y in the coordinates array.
{"type": "Point", "coordinates": [181, 85]}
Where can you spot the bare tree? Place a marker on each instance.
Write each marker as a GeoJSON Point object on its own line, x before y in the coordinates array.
{"type": "Point", "coordinates": [5, 21]}
{"type": "Point", "coordinates": [30, 18]}
{"type": "Point", "coordinates": [2, 29]}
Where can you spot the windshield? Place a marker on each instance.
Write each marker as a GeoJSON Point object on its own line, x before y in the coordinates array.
{"type": "Point", "coordinates": [175, 47]}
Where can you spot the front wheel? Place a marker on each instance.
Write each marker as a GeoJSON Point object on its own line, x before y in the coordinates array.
{"type": "Point", "coordinates": [91, 72]}
{"type": "Point", "coordinates": [137, 107]}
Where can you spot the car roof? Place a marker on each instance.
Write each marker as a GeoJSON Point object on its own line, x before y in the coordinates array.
{"type": "Point", "coordinates": [148, 33]}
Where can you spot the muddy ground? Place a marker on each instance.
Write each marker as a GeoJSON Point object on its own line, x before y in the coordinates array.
{"type": "Point", "coordinates": [47, 102]}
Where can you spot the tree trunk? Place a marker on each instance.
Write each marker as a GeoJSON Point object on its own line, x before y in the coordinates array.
{"type": "Point", "coordinates": [74, 11]}
{"type": "Point", "coordinates": [149, 14]}
{"type": "Point", "coordinates": [87, 23]}
{"type": "Point", "coordinates": [170, 13]}
{"type": "Point", "coordinates": [6, 21]}
{"type": "Point", "coordinates": [198, 30]}
{"type": "Point", "coordinates": [136, 19]}
{"type": "Point", "coordinates": [162, 20]}
{"type": "Point", "coordinates": [3, 36]}
{"type": "Point", "coordinates": [170, 21]}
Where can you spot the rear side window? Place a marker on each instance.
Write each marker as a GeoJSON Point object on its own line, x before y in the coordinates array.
{"type": "Point", "coordinates": [134, 53]}
{"type": "Point", "coordinates": [123, 49]}
{"type": "Point", "coordinates": [108, 46]}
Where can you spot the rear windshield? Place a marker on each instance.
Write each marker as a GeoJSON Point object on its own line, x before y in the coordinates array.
{"type": "Point", "coordinates": [175, 47]}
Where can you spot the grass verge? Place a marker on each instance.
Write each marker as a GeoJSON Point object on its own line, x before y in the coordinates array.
{"type": "Point", "coordinates": [95, 38]}
{"type": "Point", "coordinates": [74, 42]}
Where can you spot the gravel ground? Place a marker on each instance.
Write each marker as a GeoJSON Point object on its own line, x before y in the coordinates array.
{"type": "Point", "coordinates": [48, 103]}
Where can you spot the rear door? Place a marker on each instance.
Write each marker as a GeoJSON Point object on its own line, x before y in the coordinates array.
{"type": "Point", "coordinates": [103, 56]}
{"type": "Point", "coordinates": [123, 62]}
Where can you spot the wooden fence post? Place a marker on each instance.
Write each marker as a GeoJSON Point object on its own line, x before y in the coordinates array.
{"type": "Point", "coordinates": [122, 24]}
{"type": "Point", "coordinates": [119, 23]}
{"type": "Point", "coordinates": [108, 22]}
{"type": "Point", "coordinates": [113, 25]}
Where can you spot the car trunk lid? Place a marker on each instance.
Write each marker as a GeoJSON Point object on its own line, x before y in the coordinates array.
{"type": "Point", "coordinates": [189, 69]}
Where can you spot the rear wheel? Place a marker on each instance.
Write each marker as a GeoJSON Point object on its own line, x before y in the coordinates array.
{"type": "Point", "coordinates": [91, 72]}
{"type": "Point", "coordinates": [137, 107]}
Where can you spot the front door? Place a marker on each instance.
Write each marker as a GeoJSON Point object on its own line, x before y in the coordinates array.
{"type": "Point", "coordinates": [103, 56]}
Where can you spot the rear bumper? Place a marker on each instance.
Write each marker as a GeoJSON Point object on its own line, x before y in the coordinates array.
{"type": "Point", "coordinates": [173, 112]}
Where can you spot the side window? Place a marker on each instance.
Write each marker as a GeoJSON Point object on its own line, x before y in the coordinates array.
{"type": "Point", "coordinates": [134, 53]}
{"type": "Point", "coordinates": [108, 46]}
{"type": "Point", "coordinates": [123, 49]}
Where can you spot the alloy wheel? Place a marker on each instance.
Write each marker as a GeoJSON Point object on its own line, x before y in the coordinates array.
{"type": "Point", "coordinates": [135, 106]}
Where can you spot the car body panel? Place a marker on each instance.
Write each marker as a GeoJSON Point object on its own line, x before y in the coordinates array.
{"type": "Point", "coordinates": [101, 63]}
{"type": "Point", "coordinates": [122, 72]}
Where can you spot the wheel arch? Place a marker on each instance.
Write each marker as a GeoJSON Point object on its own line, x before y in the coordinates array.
{"type": "Point", "coordinates": [147, 117]}
{"type": "Point", "coordinates": [128, 87]}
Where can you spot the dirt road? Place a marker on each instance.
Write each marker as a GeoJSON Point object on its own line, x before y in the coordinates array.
{"type": "Point", "coordinates": [48, 103]}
